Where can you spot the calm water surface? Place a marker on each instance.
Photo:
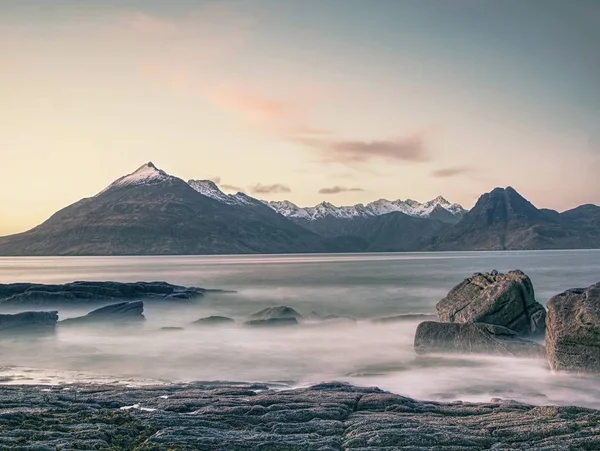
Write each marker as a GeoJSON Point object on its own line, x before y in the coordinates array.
{"type": "Point", "coordinates": [363, 286]}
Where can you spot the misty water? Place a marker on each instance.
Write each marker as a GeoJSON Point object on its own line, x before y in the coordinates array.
{"type": "Point", "coordinates": [362, 352]}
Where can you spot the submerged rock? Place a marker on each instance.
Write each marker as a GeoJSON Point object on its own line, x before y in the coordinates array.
{"type": "Point", "coordinates": [272, 322]}
{"type": "Point", "coordinates": [279, 312]}
{"type": "Point", "coordinates": [333, 318]}
{"type": "Point", "coordinates": [473, 338]}
{"type": "Point", "coordinates": [94, 292]}
{"type": "Point", "coordinates": [573, 330]}
{"type": "Point", "coordinates": [235, 417]}
{"type": "Point", "coordinates": [28, 323]}
{"type": "Point", "coordinates": [171, 328]}
{"type": "Point", "coordinates": [123, 312]}
{"type": "Point", "coordinates": [494, 298]}
{"type": "Point", "coordinates": [213, 321]}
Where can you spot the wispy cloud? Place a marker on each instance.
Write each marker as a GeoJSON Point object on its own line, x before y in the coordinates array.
{"type": "Point", "coordinates": [283, 117]}
{"type": "Point", "coordinates": [270, 189]}
{"type": "Point", "coordinates": [594, 143]}
{"type": "Point", "coordinates": [338, 189]}
{"type": "Point", "coordinates": [147, 25]}
{"type": "Point", "coordinates": [410, 149]}
{"type": "Point", "coordinates": [216, 179]}
{"type": "Point", "coordinates": [451, 172]}
{"type": "Point", "coordinates": [228, 187]}
{"type": "Point", "coordinates": [253, 106]}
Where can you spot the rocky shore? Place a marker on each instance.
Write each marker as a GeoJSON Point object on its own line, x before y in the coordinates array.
{"type": "Point", "coordinates": [230, 417]}
{"type": "Point", "coordinates": [490, 314]}
{"type": "Point", "coordinates": [27, 294]}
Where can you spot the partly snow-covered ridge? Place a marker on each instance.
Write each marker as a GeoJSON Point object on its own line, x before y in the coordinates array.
{"type": "Point", "coordinates": [148, 174]}
{"type": "Point", "coordinates": [210, 189]}
{"type": "Point", "coordinates": [326, 209]}
{"type": "Point", "coordinates": [377, 208]}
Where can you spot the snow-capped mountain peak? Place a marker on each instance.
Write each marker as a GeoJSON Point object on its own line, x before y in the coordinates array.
{"type": "Point", "coordinates": [147, 174]}
{"type": "Point", "coordinates": [377, 208]}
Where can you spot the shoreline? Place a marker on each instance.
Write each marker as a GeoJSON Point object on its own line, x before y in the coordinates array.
{"type": "Point", "coordinates": [236, 416]}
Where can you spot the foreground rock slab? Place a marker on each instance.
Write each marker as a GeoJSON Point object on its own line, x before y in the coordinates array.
{"type": "Point", "coordinates": [123, 312]}
{"type": "Point", "coordinates": [93, 292]}
{"type": "Point", "coordinates": [28, 322]}
{"type": "Point", "coordinates": [240, 417]}
{"type": "Point", "coordinates": [573, 330]}
{"type": "Point", "coordinates": [473, 338]}
{"type": "Point", "coordinates": [494, 298]}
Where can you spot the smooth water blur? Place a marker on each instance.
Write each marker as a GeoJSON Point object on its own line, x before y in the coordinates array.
{"type": "Point", "coordinates": [363, 286]}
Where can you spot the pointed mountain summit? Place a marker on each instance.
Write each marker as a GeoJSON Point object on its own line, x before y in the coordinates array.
{"type": "Point", "coordinates": [504, 220]}
{"type": "Point", "coordinates": [146, 174]}
{"type": "Point", "coordinates": [150, 212]}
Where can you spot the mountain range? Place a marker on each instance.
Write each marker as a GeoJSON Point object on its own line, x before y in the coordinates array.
{"type": "Point", "coordinates": [150, 212]}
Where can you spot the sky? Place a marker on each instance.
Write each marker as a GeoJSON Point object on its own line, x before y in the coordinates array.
{"type": "Point", "coordinates": [346, 101]}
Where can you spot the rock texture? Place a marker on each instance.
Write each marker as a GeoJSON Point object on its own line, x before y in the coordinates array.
{"type": "Point", "coordinates": [123, 312]}
{"type": "Point", "coordinates": [408, 317]}
{"type": "Point", "coordinates": [473, 338]}
{"type": "Point", "coordinates": [275, 313]}
{"type": "Point", "coordinates": [272, 322]}
{"type": "Point", "coordinates": [503, 299]}
{"type": "Point", "coordinates": [213, 321]}
{"type": "Point", "coordinates": [93, 292]}
{"type": "Point", "coordinates": [573, 330]}
{"type": "Point", "coordinates": [28, 322]}
{"type": "Point", "coordinates": [326, 417]}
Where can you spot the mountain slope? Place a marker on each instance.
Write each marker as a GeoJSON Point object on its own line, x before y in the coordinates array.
{"type": "Point", "coordinates": [504, 220]}
{"type": "Point", "coordinates": [150, 212]}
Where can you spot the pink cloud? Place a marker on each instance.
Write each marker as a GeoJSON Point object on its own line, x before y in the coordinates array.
{"type": "Point", "coordinates": [254, 107]}
{"type": "Point", "coordinates": [146, 24]}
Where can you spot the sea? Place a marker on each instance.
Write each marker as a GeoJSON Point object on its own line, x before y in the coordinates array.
{"type": "Point", "coordinates": [357, 289]}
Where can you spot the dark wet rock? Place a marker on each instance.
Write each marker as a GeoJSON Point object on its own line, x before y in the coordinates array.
{"type": "Point", "coordinates": [275, 313]}
{"type": "Point", "coordinates": [409, 317]}
{"type": "Point", "coordinates": [123, 312]}
{"type": "Point", "coordinates": [213, 321]}
{"type": "Point", "coordinates": [241, 417]}
{"type": "Point", "coordinates": [28, 322]}
{"type": "Point", "coordinates": [473, 338]}
{"type": "Point", "coordinates": [171, 328]}
{"type": "Point", "coordinates": [272, 322]}
{"type": "Point", "coordinates": [94, 292]}
{"type": "Point", "coordinates": [494, 298]}
{"type": "Point", "coordinates": [573, 330]}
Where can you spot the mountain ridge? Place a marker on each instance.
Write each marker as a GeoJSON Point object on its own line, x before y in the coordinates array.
{"type": "Point", "coordinates": [150, 212]}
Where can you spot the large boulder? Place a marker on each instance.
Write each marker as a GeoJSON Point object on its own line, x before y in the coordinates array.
{"type": "Point", "coordinates": [28, 322]}
{"type": "Point", "coordinates": [473, 338]}
{"type": "Point", "coordinates": [573, 330]}
{"type": "Point", "coordinates": [494, 298]}
{"type": "Point", "coordinates": [123, 312]}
